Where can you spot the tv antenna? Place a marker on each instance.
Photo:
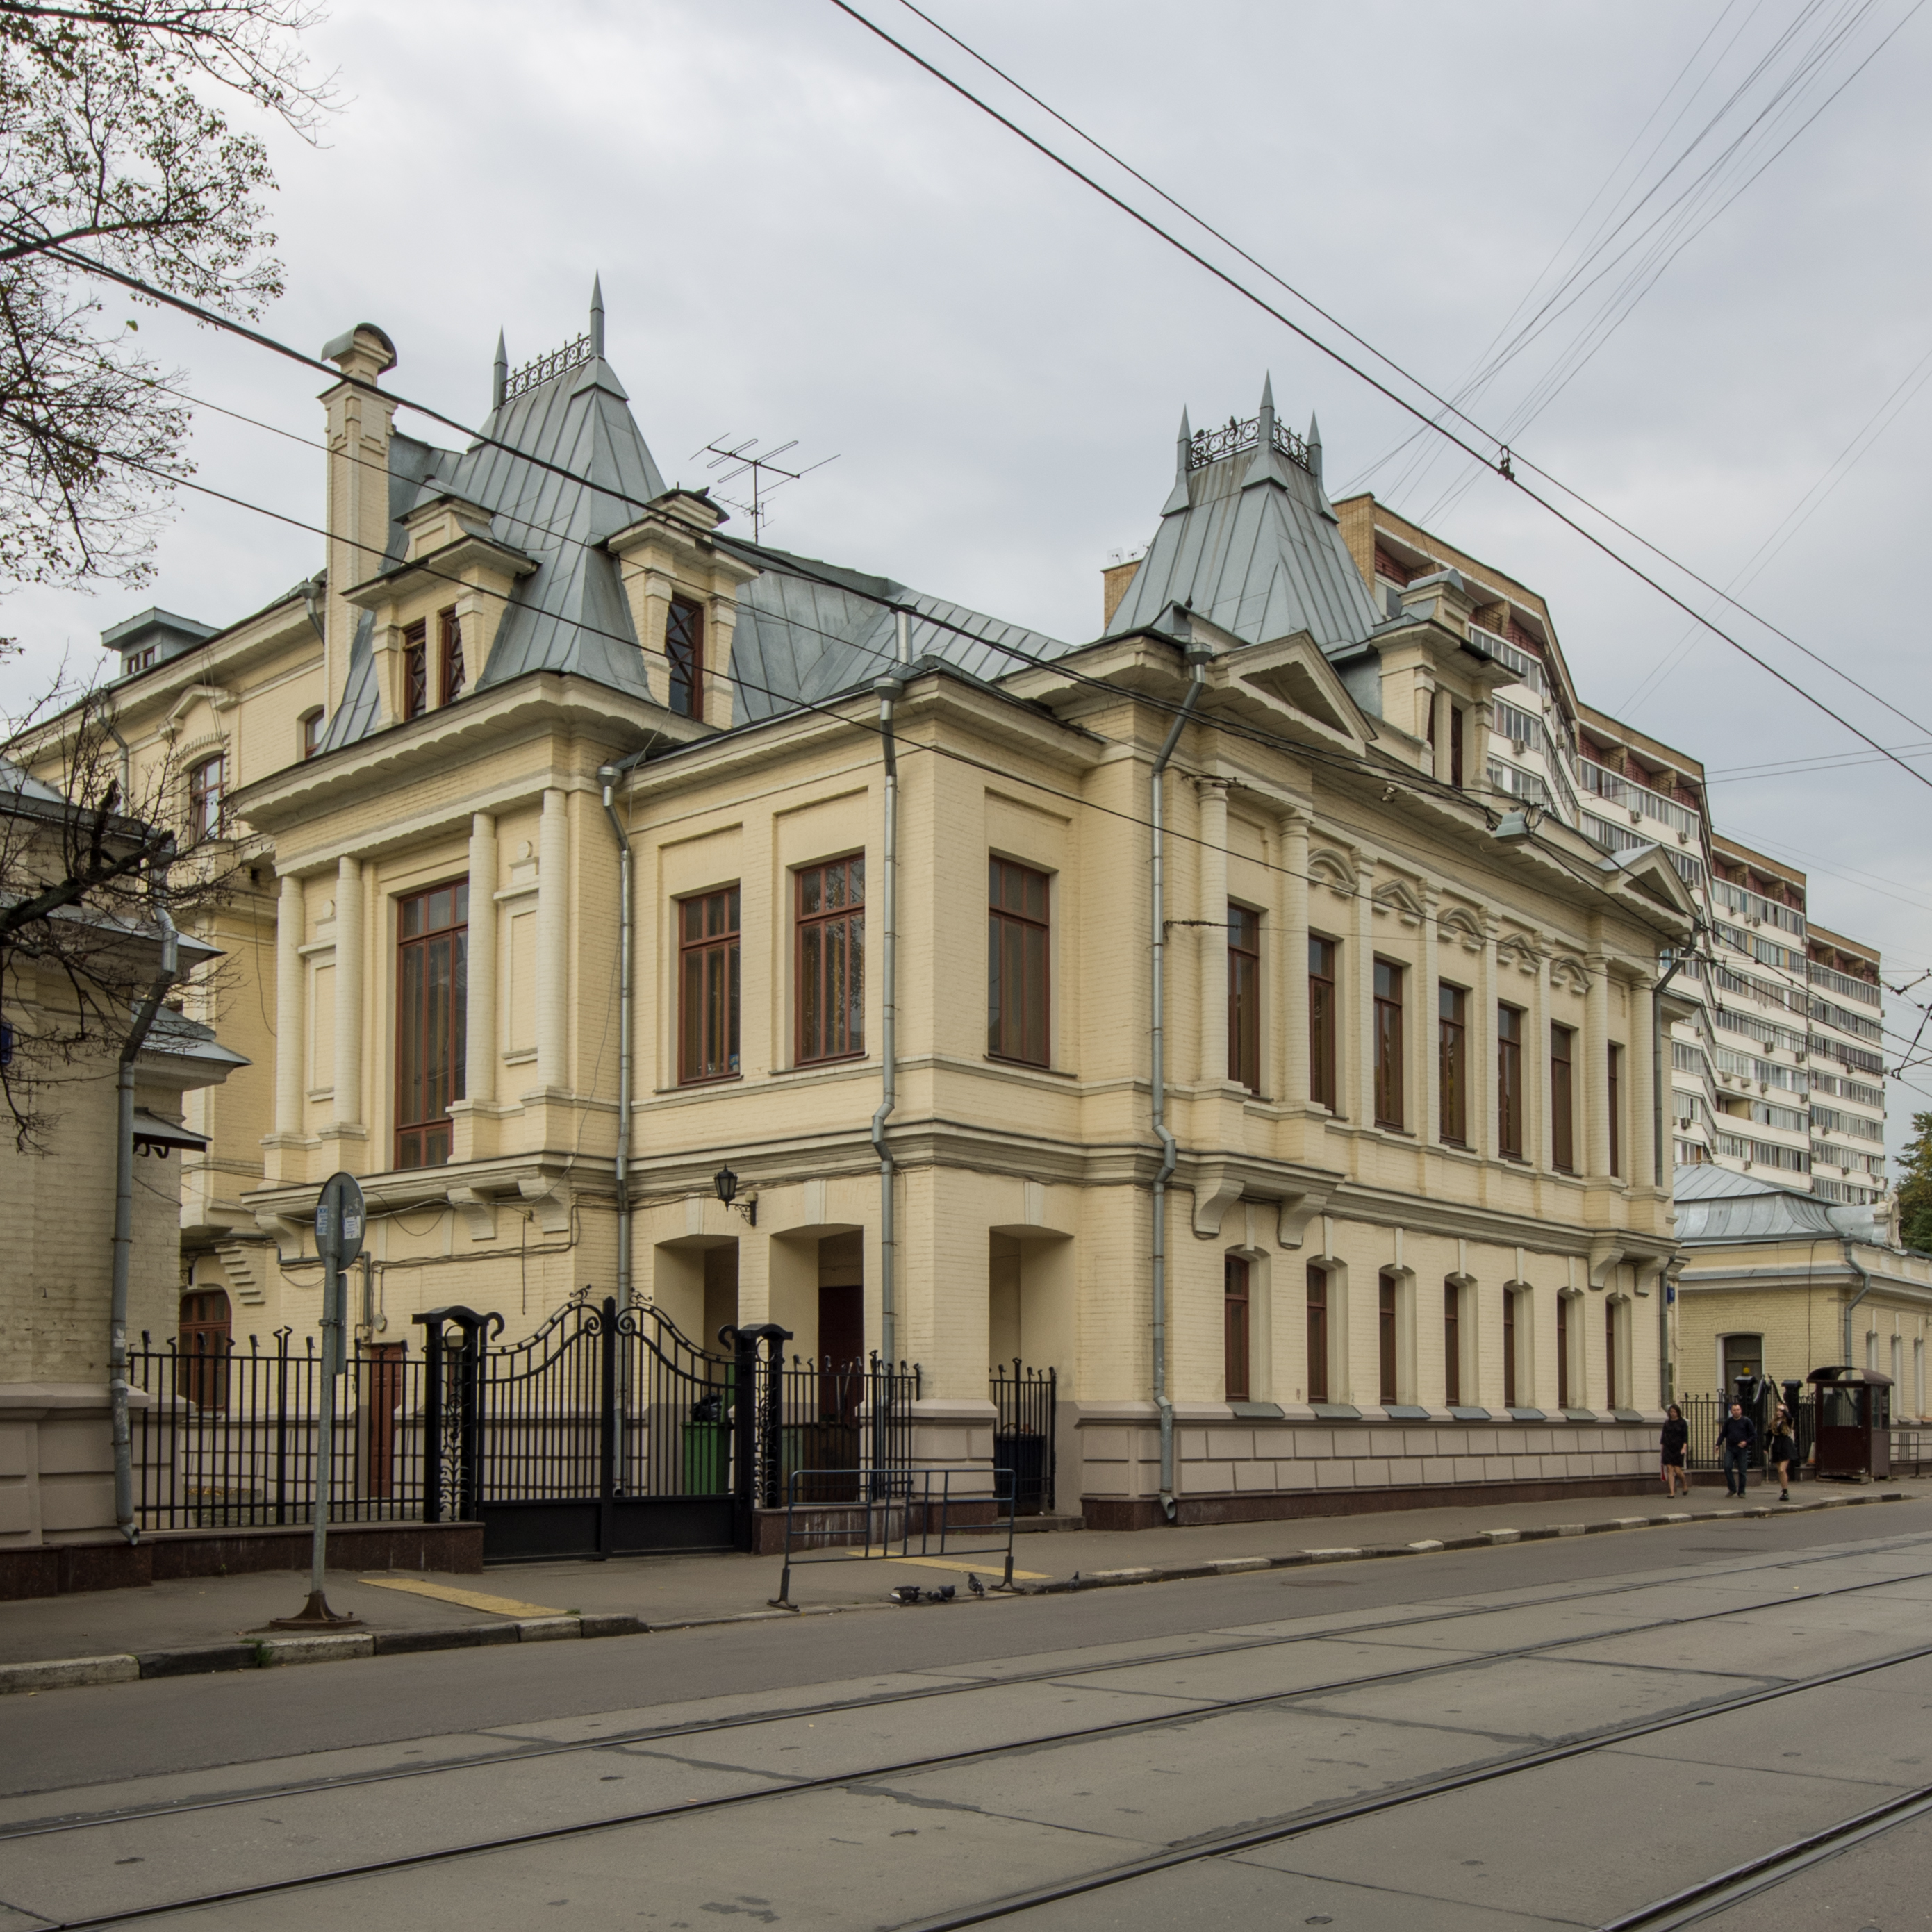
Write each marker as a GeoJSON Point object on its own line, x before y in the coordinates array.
{"type": "Point", "coordinates": [760, 468]}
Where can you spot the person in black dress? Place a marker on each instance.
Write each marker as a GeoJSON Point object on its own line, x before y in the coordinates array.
{"type": "Point", "coordinates": [1676, 1446]}
{"type": "Point", "coordinates": [1783, 1452]}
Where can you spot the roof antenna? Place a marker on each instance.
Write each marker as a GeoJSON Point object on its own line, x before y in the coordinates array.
{"type": "Point", "coordinates": [500, 374]}
{"type": "Point", "coordinates": [597, 316]}
{"type": "Point", "coordinates": [722, 451]}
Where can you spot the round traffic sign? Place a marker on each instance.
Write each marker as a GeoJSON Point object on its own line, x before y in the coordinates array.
{"type": "Point", "coordinates": [338, 1220]}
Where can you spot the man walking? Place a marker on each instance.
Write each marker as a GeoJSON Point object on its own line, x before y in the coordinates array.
{"type": "Point", "coordinates": [1736, 1439]}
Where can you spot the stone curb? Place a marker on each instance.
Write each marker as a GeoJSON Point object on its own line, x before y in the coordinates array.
{"type": "Point", "coordinates": [279, 1652]}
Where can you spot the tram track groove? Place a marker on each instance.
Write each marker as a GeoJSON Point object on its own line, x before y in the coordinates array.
{"type": "Point", "coordinates": [738, 1720]}
{"type": "Point", "coordinates": [1203, 1846]}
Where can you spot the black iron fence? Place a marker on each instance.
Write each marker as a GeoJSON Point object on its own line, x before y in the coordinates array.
{"type": "Point", "coordinates": [1911, 1447]}
{"type": "Point", "coordinates": [224, 1436]}
{"type": "Point", "coordinates": [823, 1430]}
{"type": "Point", "coordinates": [1026, 1402]}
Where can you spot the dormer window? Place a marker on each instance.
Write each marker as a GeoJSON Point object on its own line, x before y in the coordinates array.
{"type": "Point", "coordinates": [138, 660]}
{"type": "Point", "coordinates": [415, 670]}
{"type": "Point", "coordinates": [684, 647]}
{"type": "Point", "coordinates": [449, 656]}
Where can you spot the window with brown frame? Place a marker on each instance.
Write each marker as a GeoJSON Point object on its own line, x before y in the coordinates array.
{"type": "Point", "coordinates": [1509, 1348]}
{"type": "Point", "coordinates": [206, 785]}
{"type": "Point", "coordinates": [206, 1336]}
{"type": "Point", "coordinates": [1509, 1081]}
{"type": "Point", "coordinates": [432, 1002]}
{"type": "Point", "coordinates": [1017, 976]}
{"type": "Point", "coordinates": [311, 734]}
{"type": "Point", "coordinates": [707, 987]}
{"type": "Point", "coordinates": [1615, 1081]}
{"type": "Point", "coordinates": [831, 973]}
{"type": "Point", "coordinates": [1612, 1394]}
{"type": "Point", "coordinates": [1321, 1026]}
{"type": "Point", "coordinates": [1388, 1044]}
{"type": "Point", "coordinates": [1235, 1325]}
{"type": "Point", "coordinates": [1386, 1289]}
{"type": "Point", "coordinates": [1452, 1053]}
{"type": "Point", "coordinates": [1452, 1344]}
{"type": "Point", "coordinates": [415, 670]}
{"type": "Point", "coordinates": [1458, 725]}
{"type": "Point", "coordinates": [1562, 1099]}
{"type": "Point", "coordinates": [1563, 1351]}
{"type": "Point", "coordinates": [684, 647]}
{"type": "Point", "coordinates": [1244, 997]}
{"type": "Point", "coordinates": [449, 656]}
{"type": "Point", "coordinates": [1317, 1332]}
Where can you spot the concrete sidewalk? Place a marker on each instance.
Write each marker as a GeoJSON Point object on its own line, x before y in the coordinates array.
{"type": "Point", "coordinates": [408, 1609]}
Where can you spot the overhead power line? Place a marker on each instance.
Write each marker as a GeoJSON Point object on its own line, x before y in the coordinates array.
{"type": "Point", "coordinates": [1507, 463]}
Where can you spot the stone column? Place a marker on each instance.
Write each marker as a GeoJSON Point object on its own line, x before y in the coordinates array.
{"type": "Point", "coordinates": [1445, 725]}
{"type": "Point", "coordinates": [553, 941]}
{"type": "Point", "coordinates": [1426, 1080]}
{"type": "Point", "coordinates": [480, 1073]}
{"type": "Point", "coordinates": [1213, 951]}
{"type": "Point", "coordinates": [1290, 1003]}
{"type": "Point", "coordinates": [291, 1030]}
{"type": "Point", "coordinates": [1538, 1140]}
{"type": "Point", "coordinates": [1596, 1149]}
{"type": "Point", "coordinates": [348, 1103]}
{"type": "Point", "coordinates": [1483, 1096]}
{"type": "Point", "coordinates": [1640, 1121]}
{"type": "Point", "coordinates": [1360, 1025]}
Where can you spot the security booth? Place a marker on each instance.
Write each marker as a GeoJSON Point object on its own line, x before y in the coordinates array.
{"type": "Point", "coordinates": [1853, 1435]}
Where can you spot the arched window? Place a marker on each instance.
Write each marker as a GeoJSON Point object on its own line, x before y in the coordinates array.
{"type": "Point", "coordinates": [201, 1350]}
{"type": "Point", "coordinates": [1236, 1333]}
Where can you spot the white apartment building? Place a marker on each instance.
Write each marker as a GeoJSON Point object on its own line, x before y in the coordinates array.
{"type": "Point", "coordinates": [1776, 1059]}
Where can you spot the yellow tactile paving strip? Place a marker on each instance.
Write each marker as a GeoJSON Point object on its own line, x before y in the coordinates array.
{"type": "Point", "coordinates": [470, 1600]}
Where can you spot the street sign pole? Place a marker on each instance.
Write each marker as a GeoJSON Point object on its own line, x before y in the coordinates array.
{"type": "Point", "coordinates": [338, 1240]}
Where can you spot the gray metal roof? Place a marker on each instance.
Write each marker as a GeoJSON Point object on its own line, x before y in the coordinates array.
{"type": "Point", "coordinates": [795, 640]}
{"type": "Point", "coordinates": [1248, 540]}
{"type": "Point", "coordinates": [1716, 1205]}
{"type": "Point", "coordinates": [23, 785]}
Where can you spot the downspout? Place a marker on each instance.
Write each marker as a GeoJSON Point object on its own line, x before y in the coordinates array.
{"type": "Point", "coordinates": [609, 774]}
{"type": "Point", "coordinates": [124, 1197]}
{"type": "Point", "coordinates": [889, 690]}
{"type": "Point", "coordinates": [1665, 1379]}
{"type": "Point", "coordinates": [1197, 659]}
{"type": "Point", "coordinates": [1858, 1267]}
{"type": "Point", "coordinates": [113, 731]}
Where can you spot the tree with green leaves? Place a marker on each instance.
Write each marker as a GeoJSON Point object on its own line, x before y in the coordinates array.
{"type": "Point", "coordinates": [1915, 1186]}
{"type": "Point", "coordinates": [115, 153]}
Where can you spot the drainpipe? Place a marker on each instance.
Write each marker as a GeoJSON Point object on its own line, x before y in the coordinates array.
{"type": "Point", "coordinates": [1664, 1377]}
{"type": "Point", "coordinates": [889, 690]}
{"type": "Point", "coordinates": [1858, 1267]}
{"type": "Point", "coordinates": [609, 775]}
{"type": "Point", "coordinates": [113, 731]}
{"type": "Point", "coordinates": [1198, 656]}
{"type": "Point", "coordinates": [124, 1197]}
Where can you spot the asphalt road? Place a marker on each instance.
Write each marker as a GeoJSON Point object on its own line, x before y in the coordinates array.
{"type": "Point", "coordinates": [1555, 1734]}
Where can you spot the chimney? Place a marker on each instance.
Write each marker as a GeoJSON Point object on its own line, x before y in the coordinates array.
{"type": "Point", "coordinates": [1115, 580]}
{"type": "Point", "coordinates": [358, 493]}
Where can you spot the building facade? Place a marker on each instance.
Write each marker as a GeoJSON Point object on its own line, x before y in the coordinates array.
{"type": "Point", "coordinates": [1411, 1234]}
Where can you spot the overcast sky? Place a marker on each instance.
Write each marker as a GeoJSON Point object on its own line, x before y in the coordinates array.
{"type": "Point", "coordinates": [800, 235]}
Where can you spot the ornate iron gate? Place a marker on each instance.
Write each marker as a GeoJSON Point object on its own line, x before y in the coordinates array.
{"type": "Point", "coordinates": [1027, 1403]}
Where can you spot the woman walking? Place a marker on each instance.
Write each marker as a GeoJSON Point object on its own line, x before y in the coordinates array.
{"type": "Point", "coordinates": [1783, 1452]}
{"type": "Point", "coordinates": [1676, 1443]}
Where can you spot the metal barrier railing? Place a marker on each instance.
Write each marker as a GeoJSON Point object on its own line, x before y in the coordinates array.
{"type": "Point", "coordinates": [927, 1516]}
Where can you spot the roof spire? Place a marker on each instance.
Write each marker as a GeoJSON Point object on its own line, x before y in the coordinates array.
{"type": "Point", "coordinates": [1314, 447]}
{"type": "Point", "coordinates": [1184, 452]}
{"type": "Point", "coordinates": [1265, 425]}
{"type": "Point", "coordinates": [597, 315]}
{"type": "Point", "coordinates": [499, 373]}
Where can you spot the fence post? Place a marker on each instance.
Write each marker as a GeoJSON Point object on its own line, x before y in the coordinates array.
{"type": "Point", "coordinates": [753, 1444]}
{"type": "Point", "coordinates": [607, 1440]}
{"type": "Point", "coordinates": [432, 1422]}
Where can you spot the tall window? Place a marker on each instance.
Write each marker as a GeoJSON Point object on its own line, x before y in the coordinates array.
{"type": "Point", "coordinates": [1452, 1053]}
{"type": "Point", "coordinates": [415, 670]}
{"type": "Point", "coordinates": [1244, 997]}
{"type": "Point", "coordinates": [1509, 1080]}
{"type": "Point", "coordinates": [432, 1000]}
{"type": "Point", "coordinates": [1457, 719]}
{"type": "Point", "coordinates": [311, 734]}
{"type": "Point", "coordinates": [1318, 1334]}
{"type": "Point", "coordinates": [707, 986]}
{"type": "Point", "coordinates": [832, 959]}
{"type": "Point", "coordinates": [1452, 1345]}
{"type": "Point", "coordinates": [684, 646]}
{"type": "Point", "coordinates": [1616, 1072]}
{"type": "Point", "coordinates": [449, 656]}
{"type": "Point", "coordinates": [1562, 1098]}
{"type": "Point", "coordinates": [1322, 1028]}
{"type": "Point", "coordinates": [202, 1350]}
{"type": "Point", "coordinates": [1613, 1393]}
{"type": "Point", "coordinates": [1509, 1348]}
{"type": "Point", "coordinates": [206, 783]}
{"type": "Point", "coordinates": [1016, 963]}
{"type": "Point", "coordinates": [1385, 1335]}
{"type": "Point", "coordinates": [1563, 1351]}
{"type": "Point", "coordinates": [1234, 1320]}
{"type": "Point", "coordinates": [1388, 1045]}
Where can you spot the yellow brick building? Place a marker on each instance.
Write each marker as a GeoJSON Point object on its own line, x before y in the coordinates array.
{"type": "Point", "coordinates": [1410, 1236]}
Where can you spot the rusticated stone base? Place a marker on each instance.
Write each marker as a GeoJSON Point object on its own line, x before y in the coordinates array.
{"type": "Point", "coordinates": [53, 1570]}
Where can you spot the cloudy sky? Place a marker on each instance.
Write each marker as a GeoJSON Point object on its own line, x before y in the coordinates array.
{"type": "Point", "coordinates": [1692, 231]}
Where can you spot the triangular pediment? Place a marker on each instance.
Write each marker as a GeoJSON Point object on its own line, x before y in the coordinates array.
{"type": "Point", "coordinates": [1291, 673]}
